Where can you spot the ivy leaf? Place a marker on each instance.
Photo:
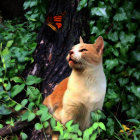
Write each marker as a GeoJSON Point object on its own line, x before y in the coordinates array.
{"type": "Point", "coordinates": [110, 126]}
{"type": "Point", "coordinates": [95, 126]}
{"type": "Point", "coordinates": [82, 4]}
{"type": "Point", "coordinates": [1, 126]}
{"type": "Point", "coordinates": [17, 80]}
{"type": "Point", "coordinates": [23, 136]}
{"type": "Point", "coordinates": [26, 4]}
{"type": "Point", "coordinates": [86, 135]}
{"type": "Point", "coordinates": [59, 127]}
{"type": "Point", "coordinates": [75, 128]}
{"type": "Point", "coordinates": [18, 107]}
{"type": "Point", "coordinates": [31, 79]}
{"type": "Point", "coordinates": [38, 126]}
{"type": "Point", "coordinates": [110, 64]}
{"type": "Point", "coordinates": [33, 93]}
{"type": "Point", "coordinates": [17, 89]}
{"type": "Point", "coordinates": [94, 135]}
{"type": "Point", "coordinates": [102, 126]}
{"type": "Point", "coordinates": [25, 116]}
{"type": "Point", "coordinates": [123, 81]}
{"type": "Point", "coordinates": [24, 102]}
{"type": "Point", "coordinates": [98, 11]}
{"type": "Point", "coordinates": [113, 36]}
{"type": "Point", "coordinates": [31, 116]}
{"type": "Point", "coordinates": [135, 90]}
{"type": "Point", "coordinates": [45, 124]}
{"type": "Point", "coordinates": [31, 105]}
{"type": "Point", "coordinates": [135, 55]}
{"type": "Point", "coordinates": [69, 123]}
{"type": "Point", "coordinates": [4, 110]}
{"type": "Point", "coordinates": [7, 86]}
{"type": "Point", "coordinates": [120, 17]}
{"type": "Point", "coordinates": [9, 43]}
{"type": "Point", "coordinates": [53, 123]}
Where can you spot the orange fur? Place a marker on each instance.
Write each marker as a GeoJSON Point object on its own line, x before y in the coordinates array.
{"type": "Point", "coordinates": [56, 98]}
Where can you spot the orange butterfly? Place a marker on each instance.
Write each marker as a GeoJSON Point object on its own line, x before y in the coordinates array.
{"type": "Point", "coordinates": [55, 22]}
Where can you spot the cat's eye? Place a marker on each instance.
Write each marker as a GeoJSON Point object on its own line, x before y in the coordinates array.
{"type": "Point", "coordinates": [83, 50]}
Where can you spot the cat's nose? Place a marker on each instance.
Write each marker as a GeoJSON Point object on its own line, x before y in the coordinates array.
{"type": "Point", "coordinates": [71, 52]}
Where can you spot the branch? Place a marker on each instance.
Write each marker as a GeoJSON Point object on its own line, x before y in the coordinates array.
{"type": "Point", "coordinates": [11, 129]}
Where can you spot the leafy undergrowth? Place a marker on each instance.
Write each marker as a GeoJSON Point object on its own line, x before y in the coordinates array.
{"type": "Point", "coordinates": [118, 23]}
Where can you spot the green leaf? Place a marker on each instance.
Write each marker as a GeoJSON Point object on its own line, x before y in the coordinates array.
{"type": "Point", "coordinates": [33, 3]}
{"type": "Point", "coordinates": [95, 126]}
{"type": "Point", "coordinates": [26, 4]}
{"type": "Point", "coordinates": [135, 121]}
{"type": "Point", "coordinates": [45, 116]}
{"type": "Point", "coordinates": [18, 107]}
{"type": "Point", "coordinates": [7, 86]}
{"type": "Point", "coordinates": [53, 122]}
{"type": "Point", "coordinates": [86, 134]}
{"type": "Point", "coordinates": [32, 80]}
{"type": "Point", "coordinates": [102, 126]}
{"type": "Point", "coordinates": [120, 17]}
{"type": "Point", "coordinates": [135, 90]}
{"type": "Point", "coordinates": [38, 126]}
{"type": "Point", "coordinates": [82, 4]}
{"type": "Point", "coordinates": [24, 102]}
{"type": "Point", "coordinates": [69, 123]}
{"type": "Point", "coordinates": [98, 11]}
{"type": "Point", "coordinates": [17, 89]}
{"type": "Point", "coordinates": [1, 126]}
{"type": "Point", "coordinates": [31, 116]}
{"type": "Point", "coordinates": [135, 55]}
{"type": "Point", "coordinates": [10, 121]}
{"type": "Point", "coordinates": [31, 105]}
{"type": "Point", "coordinates": [45, 124]}
{"type": "Point", "coordinates": [9, 43]}
{"type": "Point", "coordinates": [94, 135]}
{"type": "Point", "coordinates": [33, 93]}
{"type": "Point", "coordinates": [17, 80]}
{"type": "Point", "coordinates": [25, 116]}
{"type": "Point", "coordinates": [113, 36]}
{"type": "Point", "coordinates": [127, 38]}
{"type": "Point", "coordinates": [4, 110]}
{"type": "Point", "coordinates": [123, 81]}
{"type": "Point", "coordinates": [110, 64]}
{"type": "Point", "coordinates": [110, 126]}
{"type": "Point", "coordinates": [75, 128]}
{"type": "Point", "coordinates": [23, 136]}
{"type": "Point", "coordinates": [79, 132]}
{"type": "Point", "coordinates": [59, 128]}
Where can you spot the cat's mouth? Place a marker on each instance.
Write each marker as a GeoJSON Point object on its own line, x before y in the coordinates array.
{"type": "Point", "coordinates": [71, 60]}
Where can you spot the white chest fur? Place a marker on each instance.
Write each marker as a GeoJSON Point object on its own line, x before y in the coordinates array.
{"type": "Point", "coordinates": [88, 88]}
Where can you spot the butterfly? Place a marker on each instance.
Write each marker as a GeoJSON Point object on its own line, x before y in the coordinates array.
{"type": "Point", "coordinates": [55, 22]}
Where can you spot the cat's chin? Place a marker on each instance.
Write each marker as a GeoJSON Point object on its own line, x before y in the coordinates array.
{"type": "Point", "coordinates": [76, 66]}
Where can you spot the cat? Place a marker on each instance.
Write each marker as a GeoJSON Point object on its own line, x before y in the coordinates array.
{"type": "Point", "coordinates": [84, 90]}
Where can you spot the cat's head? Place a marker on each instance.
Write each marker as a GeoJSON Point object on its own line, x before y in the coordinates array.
{"type": "Point", "coordinates": [84, 55]}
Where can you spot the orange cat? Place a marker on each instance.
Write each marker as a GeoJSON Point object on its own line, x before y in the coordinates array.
{"type": "Point", "coordinates": [84, 90]}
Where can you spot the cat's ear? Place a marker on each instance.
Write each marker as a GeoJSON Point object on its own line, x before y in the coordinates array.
{"type": "Point", "coordinates": [81, 40]}
{"type": "Point", "coordinates": [99, 44]}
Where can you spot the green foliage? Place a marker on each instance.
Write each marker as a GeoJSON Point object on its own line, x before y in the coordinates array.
{"type": "Point", "coordinates": [36, 10]}
{"type": "Point", "coordinates": [118, 23]}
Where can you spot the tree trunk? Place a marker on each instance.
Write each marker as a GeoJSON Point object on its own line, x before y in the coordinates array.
{"type": "Point", "coordinates": [53, 46]}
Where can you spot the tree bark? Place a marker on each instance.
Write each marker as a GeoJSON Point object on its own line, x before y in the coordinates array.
{"type": "Point", "coordinates": [53, 46]}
